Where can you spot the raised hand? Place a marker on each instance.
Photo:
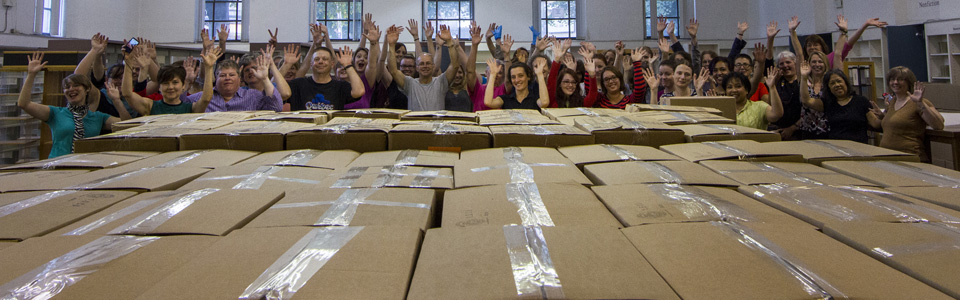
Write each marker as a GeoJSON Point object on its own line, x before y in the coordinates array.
{"type": "Point", "coordinates": [35, 62]}
{"type": "Point", "coordinates": [759, 50]}
{"type": "Point", "coordinates": [393, 34]}
{"type": "Point", "coordinates": [587, 54]}
{"type": "Point", "coordinates": [204, 37]}
{"type": "Point", "coordinates": [414, 29]}
{"type": "Point", "coordinates": [367, 21]}
{"type": "Point", "coordinates": [640, 54]}
{"type": "Point", "coordinates": [490, 30]}
{"type": "Point", "coordinates": [664, 45]}
{"type": "Point", "coordinates": [373, 33]}
{"type": "Point", "coordinates": [653, 57]}
{"type": "Point", "coordinates": [619, 46]}
{"type": "Point", "coordinates": [223, 33]}
{"type": "Point", "coordinates": [693, 27]}
{"type": "Point", "coordinates": [670, 27]}
{"type": "Point", "coordinates": [317, 33]}
{"type": "Point", "coordinates": [538, 67]}
{"type": "Point", "coordinates": [651, 77]}
{"type": "Point", "coordinates": [772, 74]}
{"type": "Point", "coordinates": [210, 57]}
{"type": "Point", "coordinates": [494, 69]}
{"type": "Point", "coordinates": [273, 36]}
{"type": "Point", "coordinates": [794, 23]}
{"type": "Point", "coordinates": [700, 80]}
{"type": "Point", "coordinates": [268, 51]}
{"type": "Point", "coordinates": [661, 23]}
{"type": "Point", "coordinates": [263, 67]}
{"type": "Point", "coordinates": [917, 95]}
{"type": "Point", "coordinates": [805, 68]}
{"type": "Point", "coordinates": [291, 54]}
{"type": "Point", "coordinates": [428, 30]}
{"type": "Point", "coordinates": [773, 29]}
{"type": "Point", "coordinates": [589, 46]}
{"type": "Point", "coordinates": [841, 23]}
{"type": "Point", "coordinates": [149, 48]}
{"type": "Point", "coordinates": [875, 22]}
{"type": "Point", "coordinates": [876, 110]}
{"type": "Point", "coordinates": [742, 27]}
{"type": "Point", "coordinates": [543, 43]}
{"type": "Point", "coordinates": [190, 65]}
{"type": "Point", "coordinates": [445, 34]}
{"type": "Point", "coordinates": [507, 43]}
{"type": "Point", "coordinates": [569, 62]}
{"type": "Point", "coordinates": [98, 43]}
{"type": "Point", "coordinates": [476, 34]}
{"type": "Point", "coordinates": [345, 56]}
{"type": "Point", "coordinates": [112, 91]}
{"type": "Point", "coordinates": [143, 60]}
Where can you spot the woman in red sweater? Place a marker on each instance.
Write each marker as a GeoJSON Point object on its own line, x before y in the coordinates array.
{"type": "Point", "coordinates": [613, 84]}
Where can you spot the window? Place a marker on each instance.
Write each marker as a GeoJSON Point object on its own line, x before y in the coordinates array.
{"type": "Point", "coordinates": [49, 18]}
{"type": "Point", "coordinates": [665, 8]}
{"type": "Point", "coordinates": [558, 18]}
{"type": "Point", "coordinates": [224, 12]}
{"type": "Point", "coordinates": [453, 13]}
{"type": "Point", "coordinates": [343, 18]}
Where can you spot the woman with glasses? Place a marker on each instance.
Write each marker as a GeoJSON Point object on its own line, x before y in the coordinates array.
{"type": "Point", "coordinates": [908, 114]}
{"type": "Point", "coordinates": [612, 84]}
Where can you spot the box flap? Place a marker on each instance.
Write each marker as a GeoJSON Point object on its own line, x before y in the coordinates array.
{"type": "Point", "coordinates": [506, 165]}
{"type": "Point", "coordinates": [544, 204]}
{"type": "Point", "coordinates": [329, 159]}
{"type": "Point", "coordinates": [897, 174]}
{"type": "Point", "coordinates": [590, 154]}
{"type": "Point", "coordinates": [422, 158]}
{"type": "Point", "coordinates": [402, 207]}
{"type": "Point", "coordinates": [680, 172]}
{"type": "Point", "coordinates": [751, 173]}
{"type": "Point", "coordinates": [733, 150]}
{"type": "Point", "coordinates": [30, 214]}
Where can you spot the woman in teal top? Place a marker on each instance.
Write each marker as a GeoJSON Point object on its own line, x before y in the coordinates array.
{"type": "Point", "coordinates": [71, 123]}
{"type": "Point", "coordinates": [753, 114]}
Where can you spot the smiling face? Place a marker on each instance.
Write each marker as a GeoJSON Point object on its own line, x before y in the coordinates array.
{"type": "Point", "coordinates": [742, 65]}
{"type": "Point", "coordinates": [720, 69]}
{"type": "Point", "coordinates": [76, 93]}
{"type": "Point", "coordinates": [814, 47]}
{"type": "Point", "coordinates": [408, 67]}
{"type": "Point", "coordinates": [322, 62]}
{"type": "Point", "coordinates": [228, 81]}
{"type": "Point", "coordinates": [736, 89]}
{"type": "Point", "coordinates": [683, 75]}
{"type": "Point", "coordinates": [360, 60]}
{"type": "Point", "coordinates": [666, 76]}
{"type": "Point", "coordinates": [817, 65]}
{"type": "Point", "coordinates": [899, 85]}
{"type": "Point", "coordinates": [568, 84]}
{"type": "Point", "coordinates": [611, 82]}
{"type": "Point", "coordinates": [401, 51]}
{"type": "Point", "coordinates": [787, 67]}
{"type": "Point", "coordinates": [425, 65]}
{"type": "Point", "coordinates": [519, 78]}
{"type": "Point", "coordinates": [458, 79]}
{"type": "Point", "coordinates": [837, 86]}
{"type": "Point", "coordinates": [599, 64]}
{"type": "Point", "coordinates": [172, 88]}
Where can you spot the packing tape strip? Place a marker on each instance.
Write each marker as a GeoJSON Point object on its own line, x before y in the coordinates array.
{"type": "Point", "coordinates": [731, 130]}
{"type": "Point", "coordinates": [52, 278]}
{"type": "Point", "coordinates": [805, 196]}
{"type": "Point", "coordinates": [445, 129]}
{"type": "Point", "coordinates": [839, 149]}
{"type": "Point", "coordinates": [109, 179]}
{"type": "Point", "coordinates": [518, 170]}
{"type": "Point", "coordinates": [183, 159]}
{"type": "Point", "coordinates": [741, 154]}
{"type": "Point", "coordinates": [517, 117]}
{"type": "Point", "coordinates": [11, 208]}
{"type": "Point", "coordinates": [342, 211]}
{"type": "Point", "coordinates": [683, 117]}
{"type": "Point", "coordinates": [533, 272]}
{"type": "Point", "coordinates": [514, 156]}
{"type": "Point", "coordinates": [390, 176]}
{"type": "Point", "coordinates": [349, 178]}
{"type": "Point", "coordinates": [951, 241]}
{"type": "Point", "coordinates": [297, 265]}
{"type": "Point", "coordinates": [265, 125]}
{"type": "Point", "coordinates": [812, 284]}
{"type": "Point", "coordinates": [425, 178]}
{"type": "Point", "coordinates": [694, 202]}
{"type": "Point", "coordinates": [938, 216]}
{"type": "Point", "coordinates": [875, 201]}
{"type": "Point", "coordinates": [540, 130]}
{"type": "Point", "coordinates": [152, 219]}
{"type": "Point", "coordinates": [792, 175]}
{"type": "Point", "coordinates": [530, 206]}
{"type": "Point", "coordinates": [407, 158]}
{"type": "Point", "coordinates": [663, 172]}
{"type": "Point", "coordinates": [260, 176]}
{"type": "Point", "coordinates": [299, 157]}
{"type": "Point", "coordinates": [620, 152]}
{"type": "Point", "coordinates": [917, 173]}
{"type": "Point", "coordinates": [126, 211]}
{"type": "Point", "coordinates": [62, 160]}
{"type": "Point", "coordinates": [639, 129]}
{"type": "Point", "coordinates": [588, 112]}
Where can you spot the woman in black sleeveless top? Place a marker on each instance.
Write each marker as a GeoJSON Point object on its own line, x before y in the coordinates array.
{"type": "Point", "coordinates": [523, 96]}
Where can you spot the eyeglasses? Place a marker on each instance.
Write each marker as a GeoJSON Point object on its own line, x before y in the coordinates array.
{"type": "Point", "coordinates": [407, 66]}
{"type": "Point", "coordinates": [741, 65]}
{"type": "Point", "coordinates": [568, 82]}
{"type": "Point", "coordinates": [609, 79]}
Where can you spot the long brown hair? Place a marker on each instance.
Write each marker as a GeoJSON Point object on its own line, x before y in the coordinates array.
{"type": "Point", "coordinates": [574, 100]}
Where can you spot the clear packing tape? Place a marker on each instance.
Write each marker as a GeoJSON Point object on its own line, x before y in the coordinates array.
{"type": "Point", "coordinates": [342, 211]}
{"type": "Point", "coordinates": [741, 154]}
{"type": "Point", "coordinates": [259, 177]}
{"type": "Point", "coordinates": [52, 278]}
{"type": "Point", "coordinates": [183, 159]}
{"type": "Point", "coordinates": [533, 271]}
{"type": "Point", "coordinates": [660, 171]}
{"type": "Point", "coordinates": [696, 203]}
{"type": "Point", "coordinates": [838, 149]}
{"type": "Point", "coordinates": [11, 208]}
{"type": "Point", "coordinates": [731, 130]}
{"type": "Point", "coordinates": [78, 158]}
{"type": "Point", "coordinates": [620, 152]}
{"type": "Point", "coordinates": [812, 284]}
{"type": "Point", "coordinates": [299, 263]}
{"type": "Point", "coordinates": [152, 219]}
{"type": "Point", "coordinates": [807, 196]}
{"type": "Point", "coordinates": [949, 233]}
{"type": "Point", "coordinates": [299, 157]}
{"type": "Point", "coordinates": [683, 117]}
{"type": "Point", "coordinates": [917, 173]}
{"type": "Point", "coordinates": [126, 211]}
{"type": "Point", "coordinates": [390, 176]}
{"type": "Point", "coordinates": [796, 176]}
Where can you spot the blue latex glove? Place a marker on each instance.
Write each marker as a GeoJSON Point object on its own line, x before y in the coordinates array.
{"type": "Point", "coordinates": [536, 35]}
{"type": "Point", "coordinates": [498, 32]}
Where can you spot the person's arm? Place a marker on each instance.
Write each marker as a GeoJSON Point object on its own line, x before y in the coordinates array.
{"type": "Point", "coordinates": [640, 87]}
{"type": "Point", "coordinates": [470, 64]}
{"type": "Point", "coordinates": [544, 99]}
{"type": "Point", "coordinates": [775, 110]}
{"type": "Point", "coordinates": [367, 23]}
{"type": "Point", "coordinates": [661, 25]}
{"type": "Point", "coordinates": [738, 41]}
{"type": "Point", "coordinates": [273, 37]}
{"type": "Point", "coordinates": [345, 57]}
{"type": "Point", "coordinates": [317, 33]}
{"type": "Point", "coordinates": [618, 59]}
{"type": "Point", "coordinates": [505, 48]}
{"type": "Point", "coordinates": [653, 83]}
{"type": "Point", "coordinates": [373, 54]}
{"type": "Point", "coordinates": [428, 35]}
{"type": "Point", "coordinates": [699, 81]}
{"type": "Point", "coordinates": [35, 64]}
{"type": "Point", "coordinates": [810, 102]}
{"type": "Point", "coordinates": [928, 113]}
{"type": "Point", "coordinates": [141, 104]}
{"type": "Point", "coordinates": [209, 61]}
{"type": "Point", "coordinates": [281, 84]}
{"type": "Point", "coordinates": [488, 98]}
{"type": "Point", "coordinates": [114, 93]}
{"type": "Point", "coordinates": [452, 46]}
{"type": "Point", "coordinates": [494, 50]}
{"type": "Point", "coordinates": [772, 31]}
{"type": "Point", "coordinates": [875, 22]}
{"type": "Point", "coordinates": [393, 34]}
{"type": "Point", "coordinates": [291, 55]}
{"type": "Point", "coordinates": [415, 32]}
{"type": "Point", "coordinates": [759, 65]}
{"type": "Point", "coordinates": [590, 82]}
{"type": "Point", "coordinates": [98, 44]}
{"type": "Point", "coordinates": [222, 36]}
{"type": "Point", "coordinates": [797, 47]}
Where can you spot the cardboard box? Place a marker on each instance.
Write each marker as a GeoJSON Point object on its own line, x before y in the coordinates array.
{"type": "Point", "coordinates": [726, 105]}
{"type": "Point", "coordinates": [752, 173]}
{"type": "Point", "coordinates": [420, 158]}
{"type": "Point", "coordinates": [140, 180]}
{"type": "Point", "coordinates": [943, 196]}
{"type": "Point", "coordinates": [251, 136]}
{"type": "Point", "coordinates": [30, 214]}
{"type": "Point", "coordinates": [371, 113]}
{"type": "Point", "coordinates": [513, 117]}
{"type": "Point", "coordinates": [818, 151]}
{"type": "Point", "coordinates": [821, 205]}
{"type": "Point", "coordinates": [305, 116]}
{"type": "Point", "coordinates": [539, 136]}
{"type": "Point", "coordinates": [139, 121]}
{"type": "Point", "coordinates": [743, 150]}
{"type": "Point", "coordinates": [630, 130]}
{"type": "Point", "coordinates": [372, 262]}
{"type": "Point", "coordinates": [439, 115]}
{"type": "Point", "coordinates": [95, 267]}
{"type": "Point", "coordinates": [897, 174]}
{"type": "Point", "coordinates": [438, 136]}
{"type": "Point", "coordinates": [506, 165]}
{"type": "Point", "coordinates": [208, 159]}
{"type": "Point", "coordinates": [11, 181]}
{"type": "Point", "coordinates": [592, 154]}
{"type": "Point", "coordinates": [361, 135]}
{"type": "Point", "coordinates": [559, 113]}
{"type": "Point", "coordinates": [85, 161]}
{"type": "Point", "coordinates": [640, 204]}
{"type": "Point", "coordinates": [638, 107]}
{"type": "Point", "coordinates": [390, 176]}
{"type": "Point", "coordinates": [925, 251]}
{"type": "Point", "coordinates": [393, 207]}
{"type": "Point", "coordinates": [586, 262]}
{"type": "Point", "coordinates": [712, 132]}
{"type": "Point", "coordinates": [255, 177]}
{"type": "Point", "coordinates": [153, 137]}
{"type": "Point", "coordinates": [6, 244]}
{"type": "Point", "coordinates": [679, 172]}
{"type": "Point", "coordinates": [542, 204]}
{"type": "Point", "coordinates": [682, 118]}
{"type": "Point", "coordinates": [329, 159]}
{"type": "Point", "coordinates": [750, 261]}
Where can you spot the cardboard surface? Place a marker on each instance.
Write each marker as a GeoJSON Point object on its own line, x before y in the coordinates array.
{"type": "Point", "coordinates": [751, 173]}
{"type": "Point", "coordinates": [897, 174]}
{"type": "Point", "coordinates": [390, 176]}
{"type": "Point", "coordinates": [591, 154]}
{"type": "Point", "coordinates": [371, 113]}
{"type": "Point", "coordinates": [439, 115]}
{"type": "Point", "coordinates": [209, 159]}
{"type": "Point", "coordinates": [119, 277]}
{"type": "Point", "coordinates": [89, 161]}
{"type": "Point", "coordinates": [821, 205]}
{"type": "Point", "coordinates": [681, 118]}
{"type": "Point", "coordinates": [745, 150]}
{"type": "Point", "coordinates": [376, 263]}
{"type": "Point", "coordinates": [559, 113]}
{"type": "Point", "coordinates": [943, 196]}
{"type": "Point", "coordinates": [590, 263]}
{"type": "Point", "coordinates": [539, 136]}
{"type": "Point", "coordinates": [12, 181]}
{"type": "Point", "coordinates": [726, 105]}
{"type": "Point", "coordinates": [361, 135]}
{"type": "Point", "coordinates": [420, 158]}
{"type": "Point", "coordinates": [925, 251]}
{"type": "Point", "coordinates": [630, 130]}
{"type": "Point", "coordinates": [253, 177]}
{"type": "Point", "coordinates": [438, 136]}
{"type": "Point", "coordinates": [711, 261]}
{"type": "Point", "coordinates": [160, 137]}
{"type": "Point", "coordinates": [329, 159]}
{"type": "Point", "coordinates": [818, 151]}
{"type": "Point", "coordinates": [512, 117]}
{"type": "Point", "coordinates": [31, 214]}
{"type": "Point", "coordinates": [680, 172]}
{"type": "Point", "coordinates": [638, 107]}
{"type": "Point", "coordinates": [639, 204]}
{"type": "Point", "coordinates": [563, 204]}
{"type": "Point", "coordinates": [251, 136]}
{"type": "Point", "coordinates": [490, 166]}
{"type": "Point", "coordinates": [403, 207]}
{"type": "Point", "coordinates": [306, 116]}
{"type": "Point", "coordinates": [712, 132]}
{"type": "Point", "coordinates": [153, 179]}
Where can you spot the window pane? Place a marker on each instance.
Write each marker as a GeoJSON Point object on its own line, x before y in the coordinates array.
{"type": "Point", "coordinates": [358, 10]}
{"type": "Point", "coordinates": [46, 22]}
{"type": "Point", "coordinates": [221, 11]}
{"type": "Point", "coordinates": [207, 25]}
{"type": "Point", "coordinates": [573, 29]}
{"type": "Point", "coordinates": [649, 29]}
{"type": "Point", "coordinates": [667, 8]}
{"type": "Point", "coordinates": [322, 11]}
{"type": "Point", "coordinates": [208, 12]}
{"type": "Point", "coordinates": [465, 11]}
{"type": "Point", "coordinates": [238, 12]}
{"type": "Point", "coordinates": [573, 9]}
{"type": "Point", "coordinates": [339, 30]}
{"type": "Point", "coordinates": [557, 9]}
{"type": "Point", "coordinates": [47, 4]}
{"type": "Point", "coordinates": [558, 26]}
{"type": "Point", "coordinates": [338, 10]}
{"type": "Point", "coordinates": [464, 29]}
{"type": "Point", "coordinates": [543, 10]}
{"type": "Point", "coordinates": [431, 10]}
{"type": "Point", "coordinates": [448, 10]}
{"type": "Point", "coordinates": [646, 9]}
{"type": "Point", "coordinates": [235, 30]}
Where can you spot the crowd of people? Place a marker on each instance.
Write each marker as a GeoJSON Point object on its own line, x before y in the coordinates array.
{"type": "Point", "coordinates": [801, 93]}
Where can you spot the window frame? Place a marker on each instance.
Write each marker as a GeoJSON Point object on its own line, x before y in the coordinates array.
{"type": "Point", "coordinates": [578, 12]}
{"type": "Point", "coordinates": [463, 31]}
{"type": "Point", "coordinates": [680, 29]}
{"type": "Point", "coordinates": [354, 21]}
{"type": "Point", "coordinates": [244, 21]}
{"type": "Point", "coordinates": [56, 10]}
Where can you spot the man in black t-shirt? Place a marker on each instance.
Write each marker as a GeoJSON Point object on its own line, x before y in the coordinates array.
{"type": "Point", "coordinates": [322, 92]}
